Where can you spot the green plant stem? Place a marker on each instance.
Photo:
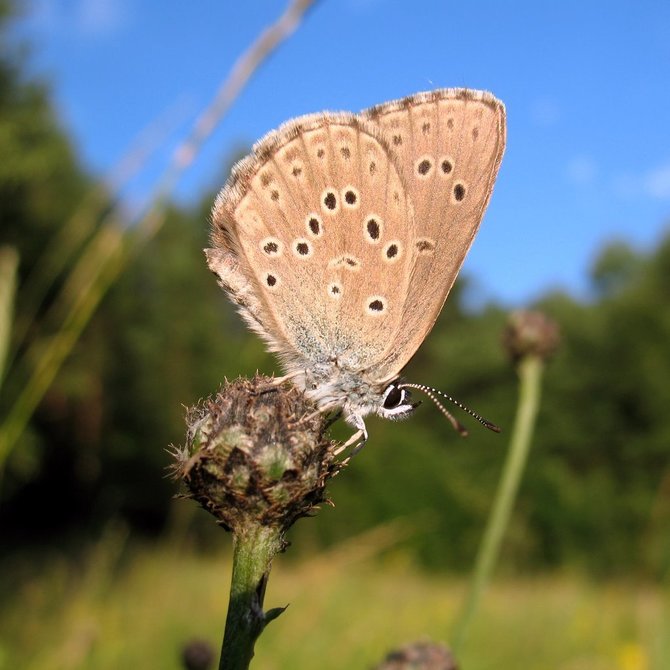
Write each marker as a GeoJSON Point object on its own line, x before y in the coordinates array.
{"type": "Point", "coordinates": [9, 263]}
{"type": "Point", "coordinates": [530, 376]}
{"type": "Point", "coordinates": [254, 549]}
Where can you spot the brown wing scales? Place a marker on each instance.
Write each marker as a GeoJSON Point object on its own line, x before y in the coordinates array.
{"type": "Point", "coordinates": [318, 218]}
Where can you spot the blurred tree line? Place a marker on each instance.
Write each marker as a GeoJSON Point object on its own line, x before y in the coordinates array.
{"type": "Point", "coordinates": [597, 492]}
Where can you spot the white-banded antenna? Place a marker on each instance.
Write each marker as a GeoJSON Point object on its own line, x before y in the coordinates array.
{"type": "Point", "coordinates": [430, 392]}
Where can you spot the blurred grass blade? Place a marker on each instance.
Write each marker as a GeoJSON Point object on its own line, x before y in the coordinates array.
{"type": "Point", "coordinates": [69, 239]}
{"type": "Point", "coordinates": [9, 263]}
{"type": "Point", "coordinates": [530, 376]}
{"type": "Point", "coordinates": [262, 48]}
{"type": "Point", "coordinates": [107, 253]}
{"type": "Point", "coordinates": [50, 354]}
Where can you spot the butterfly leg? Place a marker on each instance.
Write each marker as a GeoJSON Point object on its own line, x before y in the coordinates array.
{"type": "Point", "coordinates": [278, 381]}
{"type": "Point", "coordinates": [358, 439]}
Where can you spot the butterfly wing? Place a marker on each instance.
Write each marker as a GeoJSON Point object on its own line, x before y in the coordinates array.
{"type": "Point", "coordinates": [312, 238]}
{"type": "Point", "coordinates": [448, 145]}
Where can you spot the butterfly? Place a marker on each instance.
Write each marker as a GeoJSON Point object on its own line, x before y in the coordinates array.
{"type": "Point", "coordinates": [340, 236]}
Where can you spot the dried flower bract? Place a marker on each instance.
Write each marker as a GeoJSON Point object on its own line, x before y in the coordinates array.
{"type": "Point", "coordinates": [256, 453]}
{"type": "Point", "coordinates": [530, 333]}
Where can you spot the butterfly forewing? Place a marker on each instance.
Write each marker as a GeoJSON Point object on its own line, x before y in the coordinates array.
{"type": "Point", "coordinates": [318, 216]}
{"type": "Point", "coordinates": [448, 145]}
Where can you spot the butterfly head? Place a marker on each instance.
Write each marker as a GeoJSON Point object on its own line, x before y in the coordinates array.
{"type": "Point", "coordinates": [396, 402]}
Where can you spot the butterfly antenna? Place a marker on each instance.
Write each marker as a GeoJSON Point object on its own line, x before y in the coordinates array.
{"type": "Point", "coordinates": [430, 392]}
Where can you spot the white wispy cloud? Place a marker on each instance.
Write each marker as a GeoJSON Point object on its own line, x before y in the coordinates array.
{"type": "Point", "coordinates": [657, 182]}
{"type": "Point", "coordinates": [86, 18]}
{"type": "Point", "coordinates": [654, 183]}
{"type": "Point", "coordinates": [100, 17]}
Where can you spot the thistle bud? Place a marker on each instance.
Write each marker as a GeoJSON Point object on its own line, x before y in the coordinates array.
{"type": "Point", "coordinates": [256, 455]}
{"type": "Point", "coordinates": [419, 656]}
{"type": "Point", "coordinates": [197, 655]}
{"type": "Point", "coordinates": [530, 333]}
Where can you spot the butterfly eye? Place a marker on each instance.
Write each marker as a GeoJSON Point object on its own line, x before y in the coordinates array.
{"type": "Point", "coordinates": [394, 396]}
{"type": "Point", "coordinates": [396, 403]}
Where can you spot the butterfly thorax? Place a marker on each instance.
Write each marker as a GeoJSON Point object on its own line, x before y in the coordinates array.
{"type": "Point", "coordinates": [356, 393]}
{"type": "Point", "coordinates": [332, 386]}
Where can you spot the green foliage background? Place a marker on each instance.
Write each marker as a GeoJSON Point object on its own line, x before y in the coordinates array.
{"type": "Point", "coordinates": [597, 491]}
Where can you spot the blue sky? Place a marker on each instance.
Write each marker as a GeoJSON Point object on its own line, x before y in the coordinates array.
{"type": "Point", "coordinates": [586, 85]}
